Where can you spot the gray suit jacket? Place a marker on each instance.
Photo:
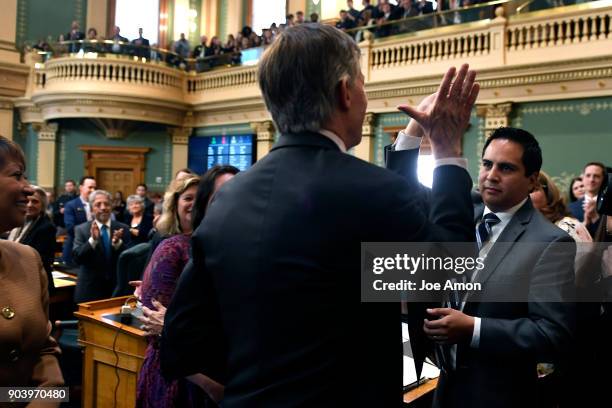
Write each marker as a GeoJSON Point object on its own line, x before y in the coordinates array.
{"type": "Point", "coordinates": [514, 337]}
{"type": "Point", "coordinates": [532, 259]}
{"type": "Point", "coordinates": [97, 273]}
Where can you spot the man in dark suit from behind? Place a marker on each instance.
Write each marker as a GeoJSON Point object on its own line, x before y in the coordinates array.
{"type": "Point", "coordinates": [270, 305]}
{"type": "Point", "coordinates": [492, 347]}
{"type": "Point", "coordinates": [97, 246]}
{"type": "Point", "coordinates": [585, 210]}
{"type": "Point", "coordinates": [77, 212]}
{"type": "Point", "coordinates": [69, 194]}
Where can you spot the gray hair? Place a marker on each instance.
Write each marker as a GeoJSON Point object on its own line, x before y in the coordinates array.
{"type": "Point", "coordinates": [299, 73]}
{"type": "Point", "coordinates": [42, 194]}
{"type": "Point", "coordinates": [134, 198]}
{"type": "Point", "coordinates": [94, 194]}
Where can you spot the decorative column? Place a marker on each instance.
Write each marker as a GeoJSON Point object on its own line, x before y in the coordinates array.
{"type": "Point", "coordinates": [495, 116]}
{"type": "Point", "coordinates": [45, 172]}
{"type": "Point", "coordinates": [180, 141]}
{"type": "Point", "coordinates": [265, 137]}
{"type": "Point", "coordinates": [6, 118]}
{"type": "Point", "coordinates": [365, 149]}
{"type": "Point", "coordinates": [365, 47]}
{"type": "Point", "coordinates": [8, 30]}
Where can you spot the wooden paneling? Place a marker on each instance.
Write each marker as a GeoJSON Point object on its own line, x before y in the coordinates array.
{"type": "Point", "coordinates": [116, 168]}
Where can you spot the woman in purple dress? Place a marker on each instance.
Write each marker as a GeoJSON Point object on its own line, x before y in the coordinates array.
{"type": "Point", "coordinates": [184, 207]}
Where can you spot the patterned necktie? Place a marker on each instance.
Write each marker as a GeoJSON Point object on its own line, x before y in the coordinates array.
{"type": "Point", "coordinates": [106, 241]}
{"type": "Point", "coordinates": [484, 228]}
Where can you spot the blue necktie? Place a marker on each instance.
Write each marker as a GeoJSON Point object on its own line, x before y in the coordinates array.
{"type": "Point", "coordinates": [106, 241]}
{"type": "Point", "coordinates": [484, 228]}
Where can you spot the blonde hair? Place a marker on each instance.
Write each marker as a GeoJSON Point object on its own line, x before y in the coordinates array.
{"type": "Point", "coordinates": [555, 206]}
{"type": "Point", "coordinates": [169, 223]}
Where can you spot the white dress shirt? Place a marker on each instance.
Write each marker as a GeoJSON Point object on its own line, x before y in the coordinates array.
{"type": "Point", "coordinates": [407, 142]}
{"type": "Point", "coordinates": [335, 138]}
{"type": "Point", "coordinates": [94, 242]}
{"type": "Point", "coordinates": [87, 209]}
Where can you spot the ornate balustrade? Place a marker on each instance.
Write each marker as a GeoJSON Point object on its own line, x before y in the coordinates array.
{"type": "Point", "coordinates": [530, 56]}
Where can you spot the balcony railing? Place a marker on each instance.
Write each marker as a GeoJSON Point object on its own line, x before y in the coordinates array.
{"type": "Point", "coordinates": [578, 32]}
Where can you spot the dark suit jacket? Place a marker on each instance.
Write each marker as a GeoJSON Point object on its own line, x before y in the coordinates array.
{"type": "Point", "coordinates": [74, 214]}
{"type": "Point", "coordinates": [97, 274]}
{"type": "Point", "coordinates": [270, 304]}
{"type": "Point", "coordinates": [41, 236]}
{"type": "Point", "coordinates": [141, 50]}
{"type": "Point", "coordinates": [143, 228]}
{"type": "Point", "coordinates": [130, 266]}
{"type": "Point", "coordinates": [514, 337]}
{"type": "Point", "coordinates": [578, 212]}
{"type": "Point", "coordinates": [58, 217]}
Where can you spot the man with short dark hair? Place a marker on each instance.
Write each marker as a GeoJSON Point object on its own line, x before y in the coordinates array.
{"type": "Point", "coordinates": [585, 210]}
{"type": "Point", "coordinates": [276, 316]}
{"type": "Point", "coordinates": [299, 17]}
{"type": "Point", "coordinates": [141, 191]}
{"type": "Point", "coordinates": [345, 22]}
{"type": "Point", "coordinates": [97, 246]}
{"type": "Point", "coordinates": [58, 206]}
{"type": "Point", "coordinates": [353, 14]}
{"type": "Point", "coordinates": [489, 345]}
{"type": "Point", "coordinates": [141, 45]}
{"type": "Point", "coordinates": [76, 212]}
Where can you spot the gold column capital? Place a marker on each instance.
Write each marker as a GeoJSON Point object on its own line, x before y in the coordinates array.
{"type": "Point", "coordinates": [180, 135]}
{"type": "Point", "coordinates": [264, 130]}
{"type": "Point", "coordinates": [47, 131]}
{"type": "Point", "coordinates": [367, 128]}
{"type": "Point", "coordinates": [495, 116]}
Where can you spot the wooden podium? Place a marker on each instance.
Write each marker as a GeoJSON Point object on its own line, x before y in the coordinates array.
{"type": "Point", "coordinates": [113, 355]}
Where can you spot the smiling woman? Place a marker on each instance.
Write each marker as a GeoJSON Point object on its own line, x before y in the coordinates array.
{"type": "Point", "coordinates": [27, 351]}
{"type": "Point", "coordinates": [38, 231]}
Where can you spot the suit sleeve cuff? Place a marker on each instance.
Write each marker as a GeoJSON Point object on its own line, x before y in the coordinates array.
{"type": "Point", "coordinates": [92, 242]}
{"type": "Point", "coordinates": [406, 142]}
{"type": "Point", "coordinates": [118, 244]}
{"type": "Point", "coordinates": [475, 343]}
{"type": "Point", "coordinates": [452, 161]}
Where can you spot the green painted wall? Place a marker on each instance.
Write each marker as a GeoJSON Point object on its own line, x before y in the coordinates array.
{"type": "Point", "coordinates": [38, 19]}
{"type": "Point", "coordinates": [312, 8]}
{"type": "Point", "coordinates": [28, 140]}
{"type": "Point", "coordinates": [571, 133]}
{"type": "Point", "coordinates": [382, 139]}
{"type": "Point", "coordinates": [194, 36]}
{"type": "Point", "coordinates": [73, 133]}
{"type": "Point", "coordinates": [223, 5]}
{"type": "Point", "coordinates": [245, 14]}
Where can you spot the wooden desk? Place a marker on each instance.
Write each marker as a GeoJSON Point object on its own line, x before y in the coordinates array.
{"type": "Point", "coordinates": [64, 291]}
{"type": "Point", "coordinates": [63, 280]}
{"type": "Point", "coordinates": [411, 397]}
{"type": "Point", "coordinates": [111, 349]}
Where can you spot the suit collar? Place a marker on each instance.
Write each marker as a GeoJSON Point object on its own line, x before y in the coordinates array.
{"type": "Point", "coordinates": [306, 139]}
{"type": "Point", "coordinates": [511, 234]}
